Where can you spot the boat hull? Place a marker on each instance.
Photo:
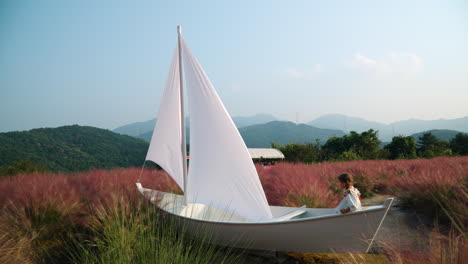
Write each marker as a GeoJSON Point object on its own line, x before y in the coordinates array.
{"type": "Point", "coordinates": [318, 230]}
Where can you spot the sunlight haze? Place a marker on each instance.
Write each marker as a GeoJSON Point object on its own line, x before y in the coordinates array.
{"type": "Point", "coordinates": [105, 63]}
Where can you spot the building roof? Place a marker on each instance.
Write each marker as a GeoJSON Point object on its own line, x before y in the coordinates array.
{"type": "Point", "coordinates": [266, 153]}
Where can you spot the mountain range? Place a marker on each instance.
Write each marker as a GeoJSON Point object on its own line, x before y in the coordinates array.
{"type": "Point", "coordinates": [78, 148]}
{"type": "Point", "coordinates": [386, 132]}
{"type": "Point", "coordinates": [281, 132]}
{"type": "Point", "coordinates": [331, 121]}
{"type": "Point", "coordinates": [284, 132]}
{"type": "Point", "coordinates": [139, 129]}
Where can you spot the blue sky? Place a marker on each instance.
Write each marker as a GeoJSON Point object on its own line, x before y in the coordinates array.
{"type": "Point", "coordinates": [104, 63]}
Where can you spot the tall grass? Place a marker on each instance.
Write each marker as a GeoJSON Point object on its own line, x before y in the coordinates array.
{"type": "Point", "coordinates": [137, 232]}
{"type": "Point", "coordinates": [429, 246]}
{"type": "Point", "coordinates": [98, 216]}
{"type": "Point", "coordinates": [290, 184]}
{"type": "Point", "coordinates": [435, 187]}
{"type": "Point", "coordinates": [94, 217]}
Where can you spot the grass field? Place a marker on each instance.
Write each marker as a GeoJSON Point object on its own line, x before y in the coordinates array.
{"type": "Point", "coordinates": [98, 216]}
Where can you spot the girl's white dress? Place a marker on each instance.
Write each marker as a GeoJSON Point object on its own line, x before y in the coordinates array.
{"type": "Point", "coordinates": [351, 200]}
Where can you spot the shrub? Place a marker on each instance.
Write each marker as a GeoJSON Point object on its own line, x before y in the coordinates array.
{"type": "Point", "coordinates": [42, 212]}
{"type": "Point", "coordinates": [136, 231]}
{"type": "Point", "coordinates": [23, 166]}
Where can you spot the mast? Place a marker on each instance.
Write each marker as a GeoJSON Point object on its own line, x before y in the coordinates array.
{"type": "Point", "coordinates": [182, 115]}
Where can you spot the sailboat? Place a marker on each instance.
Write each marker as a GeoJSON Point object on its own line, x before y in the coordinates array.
{"type": "Point", "coordinates": [222, 191]}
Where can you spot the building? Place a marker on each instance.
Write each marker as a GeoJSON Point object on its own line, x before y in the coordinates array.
{"type": "Point", "coordinates": [267, 156]}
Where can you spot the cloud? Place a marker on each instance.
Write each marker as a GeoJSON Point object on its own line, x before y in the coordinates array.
{"type": "Point", "coordinates": [308, 73]}
{"type": "Point", "coordinates": [394, 62]}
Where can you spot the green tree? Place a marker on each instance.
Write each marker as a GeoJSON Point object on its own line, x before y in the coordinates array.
{"type": "Point", "coordinates": [348, 156]}
{"type": "Point", "coordinates": [364, 145]}
{"type": "Point", "coordinates": [429, 146]}
{"type": "Point", "coordinates": [306, 153]}
{"type": "Point", "coordinates": [22, 166]}
{"type": "Point", "coordinates": [333, 148]}
{"type": "Point", "coordinates": [425, 142]}
{"type": "Point", "coordinates": [402, 147]}
{"type": "Point", "coordinates": [459, 144]}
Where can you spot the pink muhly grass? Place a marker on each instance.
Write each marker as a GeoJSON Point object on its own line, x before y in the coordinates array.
{"type": "Point", "coordinates": [432, 181]}
{"type": "Point", "coordinates": [79, 191]}
{"type": "Point", "coordinates": [40, 212]}
{"type": "Point", "coordinates": [290, 184]}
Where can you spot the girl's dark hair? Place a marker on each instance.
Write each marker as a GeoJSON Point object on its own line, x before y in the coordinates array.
{"type": "Point", "coordinates": [346, 178]}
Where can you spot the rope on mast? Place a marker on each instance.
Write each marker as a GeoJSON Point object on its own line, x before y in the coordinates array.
{"type": "Point", "coordinates": [182, 113]}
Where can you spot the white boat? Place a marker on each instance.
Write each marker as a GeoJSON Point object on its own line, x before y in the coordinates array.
{"type": "Point", "coordinates": [222, 192]}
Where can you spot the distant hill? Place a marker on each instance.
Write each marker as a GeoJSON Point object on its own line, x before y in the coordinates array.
{"type": "Point", "coordinates": [72, 148]}
{"type": "Point", "coordinates": [144, 129]}
{"type": "Point", "coordinates": [136, 129]}
{"type": "Point", "coordinates": [441, 134]}
{"type": "Point", "coordinates": [412, 126]}
{"type": "Point", "coordinates": [243, 121]}
{"type": "Point", "coordinates": [282, 132]}
{"type": "Point", "coordinates": [386, 132]}
{"type": "Point", "coordinates": [147, 136]}
{"type": "Point", "coordinates": [345, 123]}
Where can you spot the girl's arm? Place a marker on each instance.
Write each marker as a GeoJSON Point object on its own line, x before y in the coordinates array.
{"type": "Point", "coordinates": [345, 211]}
{"type": "Point", "coordinates": [350, 203]}
{"type": "Point", "coordinates": [344, 206]}
{"type": "Point", "coordinates": [353, 202]}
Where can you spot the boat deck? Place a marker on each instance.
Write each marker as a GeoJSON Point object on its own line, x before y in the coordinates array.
{"type": "Point", "coordinates": [174, 204]}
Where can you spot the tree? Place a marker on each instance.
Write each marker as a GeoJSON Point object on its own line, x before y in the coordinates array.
{"type": "Point", "coordinates": [348, 156]}
{"type": "Point", "coordinates": [306, 153]}
{"type": "Point", "coordinates": [429, 146]}
{"type": "Point", "coordinates": [402, 147]}
{"type": "Point", "coordinates": [22, 166]}
{"type": "Point", "coordinates": [364, 145]}
{"type": "Point", "coordinates": [334, 147]}
{"type": "Point", "coordinates": [459, 144]}
{"type": "Point", "coordinates": [426, 141]}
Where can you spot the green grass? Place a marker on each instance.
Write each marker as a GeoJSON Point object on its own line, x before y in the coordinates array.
{"type": "Point", "coordinates": [120, 231]}
{"type": "Point", "coordinates": [140, 233]}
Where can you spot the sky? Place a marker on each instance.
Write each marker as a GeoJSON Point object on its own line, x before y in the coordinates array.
{"type": "Point", "coordinates": [105, 63]}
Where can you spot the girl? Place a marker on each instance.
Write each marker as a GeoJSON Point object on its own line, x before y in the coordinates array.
{"type": "Point", "coordinates": [352, 197]}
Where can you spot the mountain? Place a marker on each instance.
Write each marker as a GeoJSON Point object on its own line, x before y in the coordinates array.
{"type": "Point", "coordinates": [345, 123]}
{"type": "Point", "coordinates": [72, 148]}
{"type": "Point", "coordinates": [412, 126]}
{"type": "Point", "coordinates": [349, 123]}
{"type": "Point", "coordinates": [242, 121]}
{"type": "Point", "coordinates": [136, 129]}
{"type": "Point", "coordinates": [282, 132]}
{"type": "Point", "coordinates": [441, 134]}
{"type": "Point", "coordinates": [386, 132]}
{"type": "Point", "coordinates": [144, 129]}
{"type": "Point", "coordinates": [147, 136]}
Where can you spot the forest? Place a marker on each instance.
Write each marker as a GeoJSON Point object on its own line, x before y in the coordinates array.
{"type": "Point", "coordinates": [82, 148]}
{"type": "Point", "coordinates": [367, 146]}
{"type": "Point", "coordinates": [68, 149]}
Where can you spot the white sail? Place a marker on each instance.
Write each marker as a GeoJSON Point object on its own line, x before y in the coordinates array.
{"type": "Point", "coordinates": [166, 143]}
{"type": "Point", "coordinates": [221, 172]}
